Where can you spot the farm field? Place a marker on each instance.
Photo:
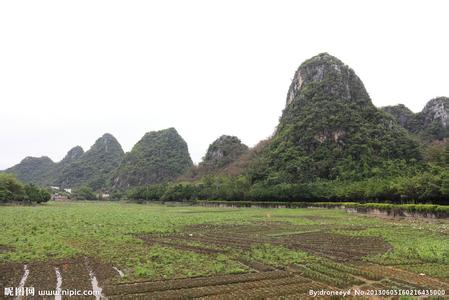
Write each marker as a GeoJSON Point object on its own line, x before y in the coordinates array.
{"type": "Point", "coordinates": [155, 251]}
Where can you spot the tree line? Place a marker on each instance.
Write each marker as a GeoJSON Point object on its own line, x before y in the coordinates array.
{"type": "Point", "coordinates": [430, 186]}
{"type": "Point", "coordinates": [12, 189]}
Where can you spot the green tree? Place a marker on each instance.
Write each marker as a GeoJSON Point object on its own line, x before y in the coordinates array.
{"type": "Point", "coordinates": [10, 188]}
{"type": "Point", "coordinates": [445, 184]}
{"type": "Point", "coordinates": [84, 193]}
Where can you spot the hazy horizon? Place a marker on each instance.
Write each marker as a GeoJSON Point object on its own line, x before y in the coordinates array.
{"type": "Point", "coordinates": [72, 71]}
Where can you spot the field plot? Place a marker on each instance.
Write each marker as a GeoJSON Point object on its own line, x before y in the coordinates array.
{"type": "Point", "coordinates": [131, 251]}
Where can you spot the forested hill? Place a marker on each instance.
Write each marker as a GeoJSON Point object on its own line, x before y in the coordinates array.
{"type": "Point", "coordinates": [93, 167]}
{"type": "Point", "coordinates": [331, 144]}
{"type": "Point", "coordinates": [38, 170]}
{"type": "Point", "coordinates": [160, 156]}
{"type": "Point", "coordinates": [330, 129]}
{"type": "Point", "coordinates": [224, 151]}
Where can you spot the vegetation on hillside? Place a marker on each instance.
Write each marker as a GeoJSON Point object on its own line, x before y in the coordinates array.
{"type": "Point", "coordinates": [437, 152]}
{"type": "Point", "coordinates": [431, 124]}
{"type": "Point", "coordinates": [330, 130]}
{"type": "Point", "coordinates": [95, 167]}
{"type": "Point", "coordinates": [221, 154]}
{"type": "Point", "coordinates": [160, 156]}
{"type": "Point", "coordinates": [331, 144]}
{"type": "Point", "coordinates": [404, 116]}
{"type": "Point", "coordinates": [223, 151]}
{"type": "Point", "coordinates": [37, 170]}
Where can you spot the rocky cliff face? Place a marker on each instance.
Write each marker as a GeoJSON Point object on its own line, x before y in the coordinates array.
{"type": "Point", "coordinates": [330, 129]}
{"type": "Point", "coordinates": [436, 112]}
{"type": "Point", "coordinates": [223, 151]}
{"type": "Point", "coordinates": [321, 70]}
{"type": "Point", "coordinates": [431, 124]}
{"type": "Point", "coordinates": [158, 157]}
{"type": "Point", "coordinates": [73, 154]}
{"type": "Point", "coordinates": [403, 115]}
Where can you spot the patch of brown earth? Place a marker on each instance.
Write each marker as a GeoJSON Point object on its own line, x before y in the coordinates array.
{"type": "Point", "coordinates": [400, 276]}
{"type": "Point", "coordinates": [336, 246]}
{"type": "Point", "coordinates": [104, 272]}
{"type": "Point", "coordinates": [176, 284]}
{"type": "Point", "coordinates": [10, 275]}
{"type": "Point", "coordinates": [42, 277]}
{"type": "Point", "coordinates": [252, 285]}
{"type": "Point", "coordinates": [323, 243]}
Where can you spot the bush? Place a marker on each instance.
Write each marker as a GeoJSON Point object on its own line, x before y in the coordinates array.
{"type": "Point", "coordinates": [84, 193]}
{"type": "Point", "coordinates": [13, 190]}
{"type": "Point", "coordinates": [35, 194]}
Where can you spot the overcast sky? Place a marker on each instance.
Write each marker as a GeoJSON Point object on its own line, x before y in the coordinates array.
{"type": "Point", "coordinates": [72, 70]}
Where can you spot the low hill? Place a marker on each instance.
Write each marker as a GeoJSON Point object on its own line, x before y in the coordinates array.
{"type": "Point", "coordinates": [37, 170]}
{"type": "Point", "coordinates": [431, 124]}
{"type": "Point", "coordinates": [221, 153]}
{"type": "Point", "coordinates": [94, 167]}
{"type": "Point", "coordinates": [158, 157]}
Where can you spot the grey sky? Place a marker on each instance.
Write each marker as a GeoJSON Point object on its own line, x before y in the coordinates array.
{"type": "Point", "coordinates": [73, 70]}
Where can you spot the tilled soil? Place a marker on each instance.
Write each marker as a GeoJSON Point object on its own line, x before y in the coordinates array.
{"type": "Point", "coordinates": [42, 276]}
{"type": "Point", "coordinates": [176, 284]}
{"type": "Point", "coordinates": [10, 275]}
{"type": "Point", "coordinates": [319, 242]}
{"type": "Point", "coordinates": [262, 281]}
{"type": "Point", "coordinates": [273, 283]}
{"type": "Point", "coordinates": [403, 276]}
{"type": "Point", "coordinates": [335, 246]}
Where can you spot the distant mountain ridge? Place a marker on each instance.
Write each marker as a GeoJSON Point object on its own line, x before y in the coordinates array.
{"type": "Point", "coordinates": [329, 130]}
{"type": "Point", "coordinates": [432, 123]}
{"type": "Point", "coordinates": [77, 168]}
{"type": "Point", "coordinates": [37, 170]}
{"type": "Point", "coordinates": [160, 156]}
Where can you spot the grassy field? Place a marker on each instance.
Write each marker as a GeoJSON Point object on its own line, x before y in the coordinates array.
{"type": "Point", "coordinates": [280, 248]}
